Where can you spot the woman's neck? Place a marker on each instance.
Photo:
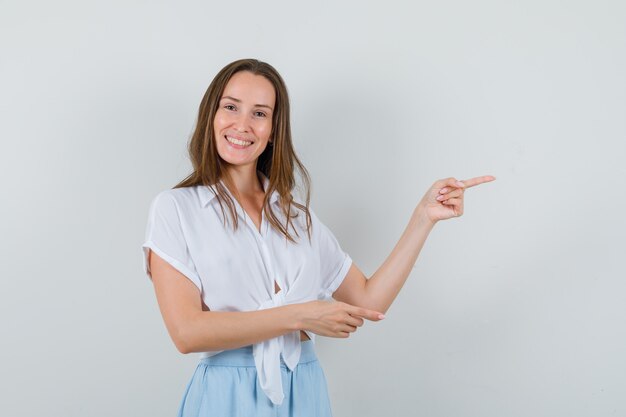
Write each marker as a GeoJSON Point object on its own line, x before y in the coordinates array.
{"type": "Point", "coordinates": [246, 181]}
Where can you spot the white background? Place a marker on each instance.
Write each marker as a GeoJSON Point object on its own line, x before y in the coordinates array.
{"type": "Point", "coordinates": [514, 309]}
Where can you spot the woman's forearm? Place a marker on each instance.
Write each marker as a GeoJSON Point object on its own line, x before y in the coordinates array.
{"type": "Point", "coordinates": [222, 330]}
{"type": "Point", "coordinates": [383, 287]}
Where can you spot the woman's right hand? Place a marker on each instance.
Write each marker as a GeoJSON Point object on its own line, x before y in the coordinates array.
{"type": "Point", "coordinates": [334, 318]}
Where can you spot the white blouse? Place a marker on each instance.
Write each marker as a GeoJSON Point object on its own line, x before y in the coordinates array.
{"type": "Point", "coordinates": [235, 271]}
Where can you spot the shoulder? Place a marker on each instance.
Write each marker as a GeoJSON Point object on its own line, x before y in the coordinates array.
{"type": "Point", "coordinates": [318, 227]}
{"type": "Point", "coordinates": [314, 216]}
{"type": "Point", "coordinates": [177, 196]}
{"type": "Point", "coordinates": [321, 230]}
{"type": "Point", "coordinates": [180, 193]}
{"type": "Point", "coordinates": [175, 202]}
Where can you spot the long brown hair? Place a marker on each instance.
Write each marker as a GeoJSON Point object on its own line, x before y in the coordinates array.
{"type": "Point", "coordinates": [277, 162]}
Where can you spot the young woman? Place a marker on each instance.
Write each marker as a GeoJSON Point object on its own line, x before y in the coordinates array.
{"type": "Point", "coordinates": [245, 273]}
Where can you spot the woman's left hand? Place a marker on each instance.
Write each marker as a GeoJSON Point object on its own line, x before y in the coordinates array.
{"type": "Point", "coordinates": [445, 198]}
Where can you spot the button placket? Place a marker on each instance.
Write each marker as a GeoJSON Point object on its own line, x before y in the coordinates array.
{"type": "Point", "coordinates": [270, 267]}
{"type": "Point", "coordinates": [265, 254]}
{"type": "Point", "coordinates": [267, 353]}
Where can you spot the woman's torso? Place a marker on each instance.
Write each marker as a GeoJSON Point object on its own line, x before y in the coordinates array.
{"type": "Point", "coordinates": [252, 266]}
{"type": "Point", "coordinates": [254, 208]}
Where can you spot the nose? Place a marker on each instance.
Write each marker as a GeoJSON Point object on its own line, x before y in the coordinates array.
{"type": "Point", "coordinates": [241, 122]}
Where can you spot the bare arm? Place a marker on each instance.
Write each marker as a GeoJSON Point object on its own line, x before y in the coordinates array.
{"type": "Point", "coordinates": [195, 330]}
{"type": "Point", "coordinates": [442, 201]}
{"type": "Point", "coordinates": [379, 291]}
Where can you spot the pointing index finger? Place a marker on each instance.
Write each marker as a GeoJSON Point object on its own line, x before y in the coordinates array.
{"type": "Point", "coordinates": [366, 314]}
{"type": "Point", "coordinates": [478, 180]}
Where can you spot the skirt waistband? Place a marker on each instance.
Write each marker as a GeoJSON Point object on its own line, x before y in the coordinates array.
{"type": "Point", "coordinates": [243, 356]}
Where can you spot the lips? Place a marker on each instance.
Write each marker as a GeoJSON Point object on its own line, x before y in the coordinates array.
{"type": "Point", "coordinates": [238, 142]}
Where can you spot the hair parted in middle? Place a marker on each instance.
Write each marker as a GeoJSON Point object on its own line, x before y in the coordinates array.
{"type": "Point", "coordinates": [277, 162]}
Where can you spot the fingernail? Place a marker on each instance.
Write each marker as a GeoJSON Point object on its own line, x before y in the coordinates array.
{"type": "Point", "coordinates": [381, 316]}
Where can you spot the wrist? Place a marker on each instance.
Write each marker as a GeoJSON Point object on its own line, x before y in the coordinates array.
{"type": "Point", "coordinates": [294, 317]}
{"type": "Point", "coordinates": [421, 217]}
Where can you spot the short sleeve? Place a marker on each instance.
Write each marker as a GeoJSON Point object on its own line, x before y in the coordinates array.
{"type": "Point", "coordinates": [164, 236]}
{"type": "Point", "coordinates": [335, 263]}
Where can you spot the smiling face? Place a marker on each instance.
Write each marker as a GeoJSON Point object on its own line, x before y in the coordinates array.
{"type": "Point", "coordinates": [243, 121]}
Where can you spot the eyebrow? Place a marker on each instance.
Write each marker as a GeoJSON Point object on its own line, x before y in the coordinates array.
{"type": "Point", "coordinates": [239, 101]}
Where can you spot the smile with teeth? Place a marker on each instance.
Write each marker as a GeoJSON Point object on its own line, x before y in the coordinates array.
{"type": "Point", "coordinates": [237, 141]}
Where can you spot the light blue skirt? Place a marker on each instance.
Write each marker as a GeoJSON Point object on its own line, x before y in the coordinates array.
{"type": "Point", "coordinates": [226, 385]}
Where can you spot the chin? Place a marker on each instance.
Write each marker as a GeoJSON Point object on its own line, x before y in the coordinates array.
{"type": "Point", "coordinates": [236, 162]}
